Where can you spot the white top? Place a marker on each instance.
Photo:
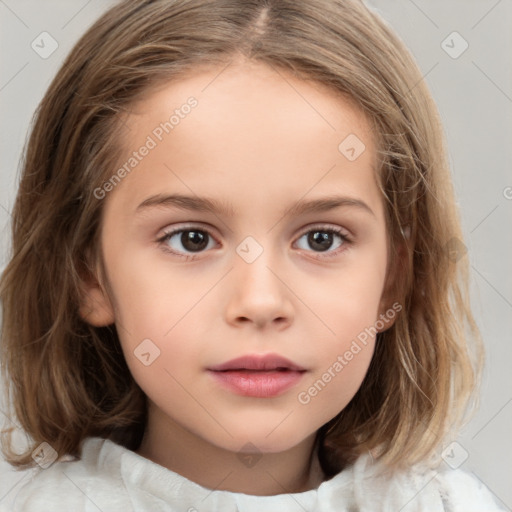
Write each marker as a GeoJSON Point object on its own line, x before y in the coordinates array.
{"type": "Point", "coordinates": [111, 478]}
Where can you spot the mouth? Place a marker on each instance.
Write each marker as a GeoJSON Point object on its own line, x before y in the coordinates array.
{"type": "Point", "coordinates": [250, 370]}
{"type": "Point", "coordinates": [256, 362]}
{"type": "Point", "coordinates": [258, 376]}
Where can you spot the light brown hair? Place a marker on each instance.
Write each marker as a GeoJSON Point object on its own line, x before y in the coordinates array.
{"type": "Point", "coordinates": [68, 380]}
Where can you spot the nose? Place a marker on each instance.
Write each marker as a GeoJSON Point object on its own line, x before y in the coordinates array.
{"type": "Point", "coordinates": [259, 294]}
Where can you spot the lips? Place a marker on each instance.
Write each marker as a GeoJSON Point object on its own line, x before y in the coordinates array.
{"type": "Point", "coordinates": [258, 376]}
{"type": "Point", "coordinates": [265, 362]}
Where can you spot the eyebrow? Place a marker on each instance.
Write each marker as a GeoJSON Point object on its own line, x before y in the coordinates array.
{"type": "Point", "coordinates": [205, 204]}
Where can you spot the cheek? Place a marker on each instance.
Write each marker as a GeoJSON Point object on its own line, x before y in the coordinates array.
{"type": "Point", "coordinates": [348, 305]}
{"type": "Point", "coordinates": [337, 377]}
{"type": "Point", "coordinates": [159, 318]}
{"type": "Point", "coordinates": [152, 296]}
{"type": "Point", "coordinates": [346, 300]}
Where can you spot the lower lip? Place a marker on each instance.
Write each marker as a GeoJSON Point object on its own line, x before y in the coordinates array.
{"type": "Point", "coordinates": [261, 384]}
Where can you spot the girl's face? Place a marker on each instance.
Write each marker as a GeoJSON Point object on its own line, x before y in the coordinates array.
{"type": "Point", "coordinates": [260, 262]}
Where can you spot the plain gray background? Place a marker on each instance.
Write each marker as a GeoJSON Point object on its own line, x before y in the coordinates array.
{"type": "Point", "coordinates": [474, 95]}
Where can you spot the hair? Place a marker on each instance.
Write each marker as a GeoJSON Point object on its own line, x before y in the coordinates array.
{"type": "Point", "coordinates": [67, 380]}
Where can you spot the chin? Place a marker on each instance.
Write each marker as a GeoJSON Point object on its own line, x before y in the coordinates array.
{"type": "Point", "coordinates": [260, 441]}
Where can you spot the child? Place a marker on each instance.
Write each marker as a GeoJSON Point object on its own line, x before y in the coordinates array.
{"type": "Point", "coordinates": [253, 372]}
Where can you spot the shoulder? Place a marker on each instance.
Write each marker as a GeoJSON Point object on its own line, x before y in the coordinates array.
{"type": "Point", "coordinates": [465, 492]}
{"type": "Point", "coordinates": [80, 484]}
{"type": "Point", "coordinates": [421, 488]}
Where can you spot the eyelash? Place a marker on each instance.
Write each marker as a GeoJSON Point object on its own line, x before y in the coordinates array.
{"type": "Point", "coordinates": [329, 254]}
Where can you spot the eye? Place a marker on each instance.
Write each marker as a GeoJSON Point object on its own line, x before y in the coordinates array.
{"type": "Point", "coordinates": [191, 239]}
{"type": "Point", "coordinates": [323, 239]}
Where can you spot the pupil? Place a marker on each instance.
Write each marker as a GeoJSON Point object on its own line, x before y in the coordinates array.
{"type": "Point", "coordinates": [320, 240]}
{"type": "Point", "coordinates": [193, 240]}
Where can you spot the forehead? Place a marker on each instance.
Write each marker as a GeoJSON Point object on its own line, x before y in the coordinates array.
{"type": "Point", "coordinates": [252, 125]}
{"type": "Point", "coordinates": [250, 85]}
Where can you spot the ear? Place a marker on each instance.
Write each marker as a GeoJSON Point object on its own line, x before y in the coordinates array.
{"type": "Point", "coordinates": [394, 287]}
{"type": "Point", "coordinates": [95, 305]}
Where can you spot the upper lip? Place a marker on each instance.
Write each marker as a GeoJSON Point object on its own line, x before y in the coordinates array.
{"type": "Point", "coordinates": [258, 362]}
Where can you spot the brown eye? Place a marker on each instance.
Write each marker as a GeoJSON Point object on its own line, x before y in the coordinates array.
{"type": "Point", "coordinates": [183, 241]}
{"type": "Point", "coordinates": [323, 240]}
{"type": "Point", "coordinates": [194, 240]}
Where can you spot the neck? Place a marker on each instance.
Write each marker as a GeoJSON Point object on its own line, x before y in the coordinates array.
{"type": "Point", "coordinates": [260, 474]}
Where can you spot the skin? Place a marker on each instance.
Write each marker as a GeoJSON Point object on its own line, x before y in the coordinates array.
{"type": "Point", "coordinates": [260, 140]}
